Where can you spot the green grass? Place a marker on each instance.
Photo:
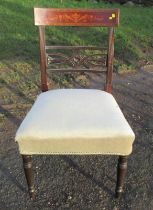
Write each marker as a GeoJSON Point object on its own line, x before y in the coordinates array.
{"type": "Point", "coordinates": [19, 38]}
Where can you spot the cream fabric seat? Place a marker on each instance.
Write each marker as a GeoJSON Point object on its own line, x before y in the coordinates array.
{"type": "Point", "coordinates": [75, 121]}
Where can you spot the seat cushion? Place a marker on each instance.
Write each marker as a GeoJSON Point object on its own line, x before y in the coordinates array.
{"type": "Point", "coordinates": [75, 121]}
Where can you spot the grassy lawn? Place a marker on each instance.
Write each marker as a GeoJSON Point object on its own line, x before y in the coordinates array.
{"type": "Point", "coordinates": [134, 39]}
{"type": "Point", "coordinates": [19, 42]}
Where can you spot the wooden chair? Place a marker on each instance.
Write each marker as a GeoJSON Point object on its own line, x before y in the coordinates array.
{"type": "Point", "coordinates": [75, 121]}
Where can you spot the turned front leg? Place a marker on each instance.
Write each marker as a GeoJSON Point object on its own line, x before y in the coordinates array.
{"type": "Point", "coordinates": [27, 164]}
{"type": "Point", "coordinates": [121, 174]}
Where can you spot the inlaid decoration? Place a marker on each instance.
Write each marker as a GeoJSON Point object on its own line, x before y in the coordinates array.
{"type": "Point", "coordinates": [112, 16]}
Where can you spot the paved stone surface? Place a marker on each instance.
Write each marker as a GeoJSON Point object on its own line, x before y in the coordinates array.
{"type": "Point", "coordinates": [84, 182]}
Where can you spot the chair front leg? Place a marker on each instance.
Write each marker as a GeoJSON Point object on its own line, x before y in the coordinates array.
{"type": "Point", "coordinates": [27, 164]}
{"type": "Point", "coordinates": [121, 173]}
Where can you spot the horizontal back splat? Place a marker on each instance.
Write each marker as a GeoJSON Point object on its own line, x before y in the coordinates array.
{"type": "Point", "coordinates": [76, 17]}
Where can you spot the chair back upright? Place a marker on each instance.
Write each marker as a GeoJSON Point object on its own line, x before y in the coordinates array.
{"type": "Point", "coordinates": [76, 17]}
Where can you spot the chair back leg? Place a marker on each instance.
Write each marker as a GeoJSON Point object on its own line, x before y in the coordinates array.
{"type": "Point", "coordinates": [27, 164]}
{"type": "Point", "coordinates": [121, 173]}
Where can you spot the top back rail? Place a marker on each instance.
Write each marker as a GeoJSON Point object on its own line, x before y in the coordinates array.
{"type": "Point", "coordinates": [76, 17]}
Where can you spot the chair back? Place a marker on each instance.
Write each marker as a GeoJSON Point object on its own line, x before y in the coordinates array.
{"type": "Point", "coordinates": [81, 60]}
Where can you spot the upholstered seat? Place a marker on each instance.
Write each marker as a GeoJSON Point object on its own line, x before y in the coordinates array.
{"type": "Point", "coordinates": [75, 121]}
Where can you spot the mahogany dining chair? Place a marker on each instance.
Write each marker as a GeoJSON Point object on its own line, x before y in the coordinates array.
{"type": "Point", "coordinates": [75, 121]}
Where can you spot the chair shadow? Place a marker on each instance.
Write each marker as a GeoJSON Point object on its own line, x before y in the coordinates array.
{"type": "Point", "coordinates": [87, 175]}
{"type": "Point", "coordinates": [10, 177]}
